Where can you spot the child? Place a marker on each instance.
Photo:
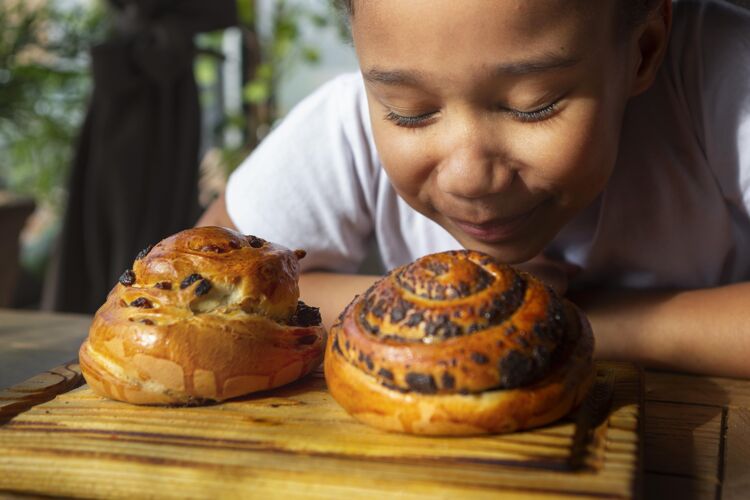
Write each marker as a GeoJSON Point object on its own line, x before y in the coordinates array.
{"type": "Point", "coordinates": [578, 138]}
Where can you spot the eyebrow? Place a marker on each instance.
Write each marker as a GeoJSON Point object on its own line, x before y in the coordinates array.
{"type": "Point", "coordinates": [535, 65]}
{"type": "Point", "coordinates": [403, 77]}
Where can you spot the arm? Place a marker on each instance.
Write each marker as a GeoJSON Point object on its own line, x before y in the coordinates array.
{"type": "Point", "coordinates": [703, 331]}
{"type": "Point", "coordinates": [216, 215]}
{"type": "Point", "coordinates": [332, 292]}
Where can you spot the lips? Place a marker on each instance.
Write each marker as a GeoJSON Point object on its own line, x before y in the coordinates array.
{"type": "Point", "coordinates": [494, 230]}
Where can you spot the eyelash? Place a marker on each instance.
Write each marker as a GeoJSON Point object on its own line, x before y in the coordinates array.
{"type": "Point", "coordinates": [536, 115]}
{"type": "Point", "coordinates": [408, 121]}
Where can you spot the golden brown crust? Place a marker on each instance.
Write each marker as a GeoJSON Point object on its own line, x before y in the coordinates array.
{"type": "Point", "coordinates": [206, 315]}
{"type": "Point", "coordinates": [473, 346]}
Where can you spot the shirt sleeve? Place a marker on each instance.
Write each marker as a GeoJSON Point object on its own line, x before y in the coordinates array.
{"type": "Point", "coordinates": [308, 184]}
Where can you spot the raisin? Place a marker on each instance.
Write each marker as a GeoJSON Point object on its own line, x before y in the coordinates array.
{"type": "Point", "coordinates": [143, 252]}
{"type": "Point", "coordinates": [203, 287]}
{"type": "Point", "coordinates": [142, 302]}
{"type": "Point", "coordinates": [421, 382]}
{"type": "Point", "coordinates": [255, 242]}
{"type": "Point", "coordinates": [397, 314]}
{"type": "Point", "coordinates": [163, 285]}
{"type": "Point", "coordinates": [190, 280]}
{"type": "Point", "coordinates": [449, 381]}
{"type": "Point", "coordinates": [369, 363]}
{"type": "Point", "coordinates": [515, 370]}
{"type": "Point", "coordinates": [415, 319]}
{"type": "Point", "coordinates": [127, 278]}
{"type": "Point", "coordinates": [306, 315]}
{"type": "Point", "coordinates": [479, 358]}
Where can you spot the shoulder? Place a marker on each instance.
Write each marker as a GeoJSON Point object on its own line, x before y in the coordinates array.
{"type": "Point", "coordinates": [311, 183]}
{"type": "Point", "coordinates": [343, 90]}
{"type": "Point", "coordinates": [719, 17]}
{"type": "Point", "coordinates": [708, 64]}
{"type": "Point", "coordinates": [715, 33]}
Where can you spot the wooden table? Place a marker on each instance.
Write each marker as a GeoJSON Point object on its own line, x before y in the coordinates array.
{"type": "Point", "coordinates": [697, 429]}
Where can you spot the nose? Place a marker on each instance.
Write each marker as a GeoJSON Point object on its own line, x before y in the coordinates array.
{"type": "Point", "coordinates": [473, 168]}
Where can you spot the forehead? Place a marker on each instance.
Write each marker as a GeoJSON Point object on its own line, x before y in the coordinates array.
{"type": "Point", "coordinates": [421, 33]}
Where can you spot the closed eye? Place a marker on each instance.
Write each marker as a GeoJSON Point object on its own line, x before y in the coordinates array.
{"type": "Point", "coordinates": [535, 115]}
{"type": "Point", "coordinates": [410, 121]}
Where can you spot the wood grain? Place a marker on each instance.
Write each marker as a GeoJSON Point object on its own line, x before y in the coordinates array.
{"type": "Point", "coordinates": [737, 455]}
{"type": "Point", "coordinates": [684, 388]}
{"type": "Point", "coordinates": [297, 441]}
{"type": "Point", "coordinates": [38, 389]}
{"type": "Point", "coordinates": [683, 440]}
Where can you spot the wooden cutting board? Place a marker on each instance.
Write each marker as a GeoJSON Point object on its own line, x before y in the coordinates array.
{"type": "Point", "coordinates": [297, 442]}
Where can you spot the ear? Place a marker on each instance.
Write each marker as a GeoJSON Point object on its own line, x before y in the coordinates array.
{"type": "Point", "coordinates": [651, 40]}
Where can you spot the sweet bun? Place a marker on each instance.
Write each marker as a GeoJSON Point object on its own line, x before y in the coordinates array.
{"type": "Point", "coordinates": [458, 344]}
{"type": "Point", "coordinates": [205, 315]}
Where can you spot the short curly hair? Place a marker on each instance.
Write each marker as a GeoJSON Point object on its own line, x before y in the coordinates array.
{"type": "Point", "coordinates": [632, 12]}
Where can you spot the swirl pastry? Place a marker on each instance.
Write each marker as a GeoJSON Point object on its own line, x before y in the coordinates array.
{"type": "Point", "coordinates": [456, 343]}
{"type": "Point", "coordinates": [205, 315]}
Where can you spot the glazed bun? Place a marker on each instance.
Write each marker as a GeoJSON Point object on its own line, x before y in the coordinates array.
{"type": "Point", "coordinates": [457, 344]}
{"type": "Point", "coordinates": [205, 315]}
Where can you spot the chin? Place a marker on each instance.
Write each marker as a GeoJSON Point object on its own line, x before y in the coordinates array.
{"type": "Point", "coordinates": [516, 252]}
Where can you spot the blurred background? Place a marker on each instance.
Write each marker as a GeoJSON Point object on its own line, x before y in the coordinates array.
{"type": "Point", "coordinates": [115, 114]}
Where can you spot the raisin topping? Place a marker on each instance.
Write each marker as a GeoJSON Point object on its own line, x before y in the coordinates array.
{"type": "Point", "coordinates": [479, 358]}
{"type": "Point", "coordinates": [336, 346]}
{"type": "Point", "coordinates": [398, 313]}
{"type": "Point", "coordinates": [144, 252]}
{"type": "Point", "coordinates": [369, 362]}
{"type": "Point", "coordinates": [147, 321]}
{"type": "Point", "coordinates": [415, 319]}
{"type": "Point", "coordinates": [255, 242]}
{"type": "Point", "coordinates": [385, 373]}
{"type": "Point", "coordinates": [421, 382]}
{"type": "Point", "coordinates": [203, 287]}
{"type": "Point", "coordinates": [306, 315]}
{"type": "Point", "coordinates": [163, 285]}
{"type": "Point", "coordinates": [449, 381]}
{"type": "Point", "coordinates": [190, 280]}
{"type": "Point", "coordinates": [515, 370]}
{"type": "Point", "coordinates": [142, 302]}
{"type": "Point", "coordinates": [127, 278]}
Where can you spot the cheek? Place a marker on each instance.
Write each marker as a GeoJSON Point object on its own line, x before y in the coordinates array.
{"type": "Point", "coordinates": [572, 157]}
{"type": "Point", "coordinates": [406, 158]}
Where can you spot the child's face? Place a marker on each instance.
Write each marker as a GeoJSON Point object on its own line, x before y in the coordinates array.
{"type": "Point", "coordinates": [497, 119]}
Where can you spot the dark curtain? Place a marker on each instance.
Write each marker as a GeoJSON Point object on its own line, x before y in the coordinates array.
{"type": "Point", "coordinates": [135, 171]}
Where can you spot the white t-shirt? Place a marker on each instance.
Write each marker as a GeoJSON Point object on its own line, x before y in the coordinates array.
{"type": "Point", "coordinates": [674, 214]}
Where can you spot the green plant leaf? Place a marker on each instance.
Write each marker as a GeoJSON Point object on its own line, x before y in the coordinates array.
{"type": "Point", "coordinates": [257, 91]}
{"type": "Point", "coordinates": [205, 70]}
{"type": "Point", "coordinates": [311, 54]}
